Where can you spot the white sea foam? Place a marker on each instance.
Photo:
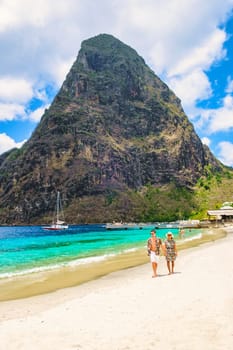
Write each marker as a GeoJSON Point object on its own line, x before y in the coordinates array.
{"type": "Point", "coordinates": [69, 264]}
{"type": "Point", "coordinates": [4, 275]}
{"type": "Point", "coordinates": [89, 260]}
{"type": "Point", "coordinates": [188, 239]}
{"type": "Point", "coordinates": [130, 250]}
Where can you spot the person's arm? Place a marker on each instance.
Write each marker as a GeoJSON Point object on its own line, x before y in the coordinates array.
{"type": "Point", "coordinates": [175, 249]}
{"type": "Point", "coordinates": [160, 246]}
{"type": "Point", "coordinates": [148, 246]}
{"type": "Point", "coordinates": [164, 249]}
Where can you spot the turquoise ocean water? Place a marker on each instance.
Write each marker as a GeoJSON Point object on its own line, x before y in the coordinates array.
{"type": "Point", "coordinates": [26, 249]}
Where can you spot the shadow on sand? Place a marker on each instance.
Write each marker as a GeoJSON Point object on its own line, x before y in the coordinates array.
{"type": "Point", "coordinates": [167, 274]}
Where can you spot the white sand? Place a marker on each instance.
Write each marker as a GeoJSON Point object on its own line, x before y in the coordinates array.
{"type": "Point", "coordinates": [190, 310]}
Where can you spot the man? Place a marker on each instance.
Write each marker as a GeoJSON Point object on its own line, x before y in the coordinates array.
{"type": "Point", "coordinates": [153, 248]}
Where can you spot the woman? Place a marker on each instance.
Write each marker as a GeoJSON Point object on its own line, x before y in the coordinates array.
{"type": "Point", "coordinates": [170, 252]}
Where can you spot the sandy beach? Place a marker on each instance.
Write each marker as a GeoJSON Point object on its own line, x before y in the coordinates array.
{"type": "Point", "coordinates": [189, 310]}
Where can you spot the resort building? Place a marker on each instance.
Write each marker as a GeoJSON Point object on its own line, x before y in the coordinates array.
{"type": "Point", "coordinates": [224, 214]}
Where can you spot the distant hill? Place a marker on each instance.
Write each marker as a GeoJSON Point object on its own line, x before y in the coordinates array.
{"type": "Point", "coordinates": [115, 142]}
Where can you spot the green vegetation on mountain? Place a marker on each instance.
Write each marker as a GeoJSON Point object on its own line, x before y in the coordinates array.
{"type": "Point", "coordinates": [118, 146]}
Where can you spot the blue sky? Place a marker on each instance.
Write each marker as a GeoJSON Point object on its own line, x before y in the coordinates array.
{"type": "Point", "coordinates": [188, 44]}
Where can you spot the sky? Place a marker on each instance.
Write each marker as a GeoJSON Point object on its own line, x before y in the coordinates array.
{"type": "Point", "coordinates": [187, 43]}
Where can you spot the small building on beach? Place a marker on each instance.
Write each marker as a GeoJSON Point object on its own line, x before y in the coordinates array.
{"type": "Point", "coordinates": [224, 214]}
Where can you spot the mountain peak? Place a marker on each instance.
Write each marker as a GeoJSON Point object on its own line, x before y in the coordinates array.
{"type": "Point", "coordinates": [105, 42]}
{"type": "Point", "coordinates": [104, 50]}
{"type": "Point", "coordinates": [114, 129]}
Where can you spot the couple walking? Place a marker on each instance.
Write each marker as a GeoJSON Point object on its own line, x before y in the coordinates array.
{"type": "Point", "coordinates": [154, 246]}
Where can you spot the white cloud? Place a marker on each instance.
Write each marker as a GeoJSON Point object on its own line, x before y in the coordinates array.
{"type": "Point", "coordinates": [173, 31]}
{"type": "Point", "coordinates": [10, 111]}
{"type": "Point", "coordinates": [180, 43]}
{"type": "Point", "coordinates": [203, 55]}
{"type": "Point", "coordinates": [7, 143]}
{"type": "Point", "coordinates": [219, 119]}
{"type": "Point", "coordinates": [15, 90]}
{"type": "Point", "coordinates": [36, 35]}
{"type": "Point", "coordinates": [60, 69]}
{"type": "Point", "coordinates": [21, 92]}
{"type": "Point", "coordinates": [179, 39]}
{"type": "Point", "coordinates": [36, 115]}
{"type": "Point", "coordinates": [15, 14]}
{"type": "Point", "coordinates": [191, 87]}
{"type": "Point", "coordinates": [229, 88]}
{"type": "Point", "coordinates": [206, 141]}
{"type": "Point", "coordinates": [166, 32]}
{"type": "Point", "coordinates": [226, 153]}
{"type": "Point", "coordinates": [170, 35]}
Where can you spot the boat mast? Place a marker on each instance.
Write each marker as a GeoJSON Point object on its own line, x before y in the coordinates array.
{"type": "Point", "coordinates": [58, 203]}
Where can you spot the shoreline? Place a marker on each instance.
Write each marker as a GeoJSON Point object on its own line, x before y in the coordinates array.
{"type": "Point", "coordinates": [48, 281]}
{"type": "Point", "coordinates": [128, 309]}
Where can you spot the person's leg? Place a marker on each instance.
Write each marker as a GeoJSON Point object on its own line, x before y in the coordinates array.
{"type": "Point", "coordinates": [168, 266]}
{"type": "Point", "coordinates": [173, 264]}
{"type": "Point", "coordinates": [154, 267]}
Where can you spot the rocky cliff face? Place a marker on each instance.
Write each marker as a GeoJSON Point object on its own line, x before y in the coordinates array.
{"type": "Point", "coordinates": [113, 127]}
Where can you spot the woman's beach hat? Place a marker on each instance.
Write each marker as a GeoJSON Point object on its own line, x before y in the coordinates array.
{"type": "Point", "coordinates": [169, 234]}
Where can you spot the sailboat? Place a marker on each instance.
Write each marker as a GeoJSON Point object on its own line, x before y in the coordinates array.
{"type": "Point", "coordinates": [58, 221]}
